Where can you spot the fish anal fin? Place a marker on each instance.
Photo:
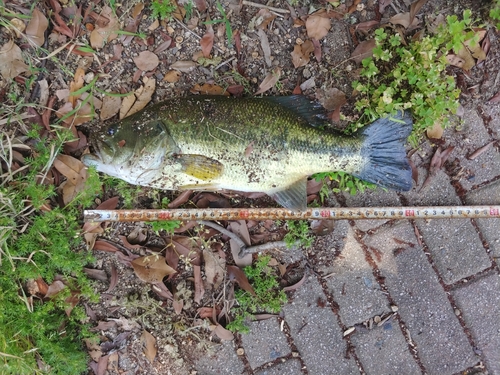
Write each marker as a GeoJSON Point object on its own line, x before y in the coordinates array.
{"type": "Point", "coordinates": [293, 196]}
{"type": "Point", "coordinates": [200, 167]}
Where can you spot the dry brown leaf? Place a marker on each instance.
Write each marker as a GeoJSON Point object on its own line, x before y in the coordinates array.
{"type": "Point", "coordinates": [207, 41]}
{"type": "Point", "coordinates": [299, 58]}
{"type": "Point", "coordinates": [415, 8]}
{"type": "Point", "coordinates": [495, 98]}
{"type": "Point", "coordinates": [103, 34]}
{"type": "Point", "coordinates": [110, 106]}
{"type": "Point", "coordinates": [135, 102]}
{"type": "Point", "coordinates": [184, 66]}
{"type": "Point", "coordinates": [17, 26]}
{"type": "Point", "coordinates": [223, 333]}
{"type": "Point", "coordinates": [146, 61]}
{"type": "Point", "coordinates": [300, 282]}
{"type": "Point", "coordinates": [149, 345]}
{"type": "Point", "coordinates": [105, 246]}
{"type": "Point", "coordinates": [35, 31]}
{"type": "Point", "coordinates": [137, 9]}
{"type": "Point", "coordinates": [269, 81]}
{"type": "Point", "coordinates": [317, 26]}
{"type": "Point", "coordinates": [75, 172]}
{"type": "Point", "coordinates": [236, 274]}
{"type": "Point", "coordinates": [363, 50]}
{"type": "Point", "coordinates": [266, 48]}
{"type": "Point", "coordinates": [455, 60]}
{"type": "Point", "coordinates": [468, 61]}
{"type": "Point", "coordinates": [152, 268]}
{"type": "Point", "coordinates": [199, 289]}
{"type": "Point", "coordinates": [209, 89]}
{"type": "Point", "coordinates": [215, 266]}
{"type": "Point", "coordinates": [264, 17]}
{"type": "Point", "coordinates": [172, 76]}
{"type": "Point", "coordinates": [83, 113]}
{"type": "Point", "coordinates": [75, 85]}
{"type": "Point", "coordinates": [54, 288]}
{"type": "Point", "coordinates": [185, 246]}
{"type": "Point", "coordinates": [11, 61]}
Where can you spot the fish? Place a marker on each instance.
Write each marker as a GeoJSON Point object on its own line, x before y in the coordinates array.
{"type": "Point", "coordinates": [254, 144]}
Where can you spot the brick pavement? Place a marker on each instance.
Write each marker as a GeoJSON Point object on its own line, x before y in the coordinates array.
{"type": "Point", "coordinates": [423, 296]}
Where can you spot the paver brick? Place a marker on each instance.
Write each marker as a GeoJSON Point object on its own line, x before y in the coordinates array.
{"type": "Point", "coordinates": [478, 302]}
{"type": "Point", "coordinates": [488, 195]}
{"type": "Point", "coordinates": [315, 332]}
{"type": "Point", "coordinates": [439, 191]}
{"type": "Point", "coordinates": [383, 350]}
{"type": "Point", "coordinates": [423, 305]}
{"type": "Point", "coordinates": [289, 367]}
{"type": "Point", "coordinates": [455, 247]}
{"type": "Point", "coordinates": [353, 285]}
{"type": "Point", "coordinates": [224, 361]}
{"type": "Point", "coordinates": [265, 342]}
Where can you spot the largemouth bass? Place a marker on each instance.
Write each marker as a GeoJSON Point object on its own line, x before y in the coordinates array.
{"type": "Point", "coordinates": [269, 145]}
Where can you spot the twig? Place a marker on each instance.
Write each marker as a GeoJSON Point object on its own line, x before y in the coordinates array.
{"type": "Point", "coordinates": [277, 10]}
{"type": "Point", "coordinates": [223, 230]}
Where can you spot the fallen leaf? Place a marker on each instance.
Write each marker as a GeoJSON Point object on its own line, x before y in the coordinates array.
{"type": "Point", "coordinates": [269, 81]}
{"type": "Point", "coordinates": [146, 61]}
{"type": "Point", "coordinates": [215, 266]}
{"type": "Point", "coordinates": [11, 61]}
{"type": "Point", "coordinates": [317, 26]}
{"type": "Point", "coordinates": [299, 57]}
{"type": "Point", "coordinates": [138, 100]}
{"type": "Point", "coordinates": [75, 172]}
{"type": "Point", "coordinates": [299, 283]}
{"type": "Point", "coordinates": [75, 85]}
{"type": "Point", "coordinates": [266, 48]}
{"type": "Point", "coordinates": [199, 290]}
{"type": "Point", "coordinates": [264, 18]}
{"type": "Point", "coordinates": [223, 333]}
{"type": "Point", "coordinates": [105, 246]}
{"type": "Point", "coordinates": [207, 41]}
{"type": "Point", "coordinates": [184, 66]}
{"type": "Point", "coordinates": [363, 50]}
{"type": "Point", "coordinates": [35, 31]}
{"type": "Point", "coordinates": [236, 274]}
{"type": "Point", "coordinates": [455, 60]}
{"type": "Point", "coordinates": [100, 275]}
{"type": "Point", "coordinates": [495, 98]}
{"type": "Point", "coordinates": [149, 345]}
{"type": "Point", "coordinates": [185, 246]}
{"type": "Point", "coordinates": [54, 288]}
{"type": "Point", "coordinates": [437, 162]}
{"type": "Point", "coordinates": [110, 106]}
{"type": "Point", "coordinates": [17, 26]}
{"type": "Point", "coordinates": [480, 150]}
{"type": "Point", "coordinates": [103, 34]}
{"type": "Point", "coordinates": [367, 25]}
{"type": "Point", "coordinates": [172, 76]}
{"type": "Point", "coordinates": [209, 89]}
{"type": "Point", "coordinates": [152, 268]}
{"type": "Point", "coordinates": [415, 8]}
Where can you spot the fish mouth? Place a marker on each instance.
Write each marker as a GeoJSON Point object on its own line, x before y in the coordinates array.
{"type": "Point", "coordinates": [100, 155]}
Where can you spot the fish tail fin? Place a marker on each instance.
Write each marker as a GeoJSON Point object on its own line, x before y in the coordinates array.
{"type": "Point", "coordinates": [384, 151]}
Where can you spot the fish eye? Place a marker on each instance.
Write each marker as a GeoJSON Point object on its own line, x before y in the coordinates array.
{"type": "Point", "coordinates": [112, 130]}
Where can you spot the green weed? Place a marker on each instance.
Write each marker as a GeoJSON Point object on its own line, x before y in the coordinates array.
{"type": "Point", "coordinates": [495, 13]}
{"type": "Point", "coordinates": [298, 231]}
{"type": "Point", "coordinates": [413, 76]}
{"type": "Point", "coordinates": [162, 9]}
{"type": "Point", "coordinates": [40, 244]}
{"type": "Point", "coordinates": [225, 21]}
{"type": "Point", "coordinates": [269, 297]}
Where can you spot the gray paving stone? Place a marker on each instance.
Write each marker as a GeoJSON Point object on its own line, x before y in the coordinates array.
{"type": "Point", "coordinates": [479, 304]}
{"type": "Point", "coordinates": [222, 361]}
{"type": "Point", "coordinates": [439, 192]}
{"type": "Point", "coordinates": [353, 286]}
{"type": "Point", "coordinates": [490, 228]}
{"type": "Point", "coordinates": [384, 350]}
{"type": "Point", "coordinates": [372, 198]}
{"type": "Point", "coordinates": [473, 136]}
{"type": "Point", "coordinates": [423, 305]}
{"type": "Point", "coordinates": [316, 333]}
{"type": "Point", "coordinates": [289, 367]}
{"type": "Point", "coordinates": [455, 247]}
{"type": "Point", "coordinates": [265, 342]}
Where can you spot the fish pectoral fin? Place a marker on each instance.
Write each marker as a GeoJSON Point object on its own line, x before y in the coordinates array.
{"type": "Point", "coordinates": [293, 196]}
{"type": "Point", "coordinates": [201, 167]}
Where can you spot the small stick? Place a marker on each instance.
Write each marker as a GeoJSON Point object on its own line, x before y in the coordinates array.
{"type": "Point", "coordinates": [277, 10]}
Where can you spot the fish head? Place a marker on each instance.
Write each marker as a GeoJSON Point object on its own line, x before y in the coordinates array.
{"type": "Point", "coordinates": [133, 151]}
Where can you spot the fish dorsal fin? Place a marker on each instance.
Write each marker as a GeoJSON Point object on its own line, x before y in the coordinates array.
{"type": "Point", "coordinates": [199, 166]}
{"type": "Point", "coordinates": [310, 110]}
{"type": "Point", "coordinates": [293, 196]}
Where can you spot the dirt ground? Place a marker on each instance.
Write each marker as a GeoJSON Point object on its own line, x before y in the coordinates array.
{"type": "Point", "coordinates": [129, 306]}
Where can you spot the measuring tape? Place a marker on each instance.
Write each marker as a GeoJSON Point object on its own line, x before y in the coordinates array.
{"type": "Point", "coordinates": [334, 213]}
